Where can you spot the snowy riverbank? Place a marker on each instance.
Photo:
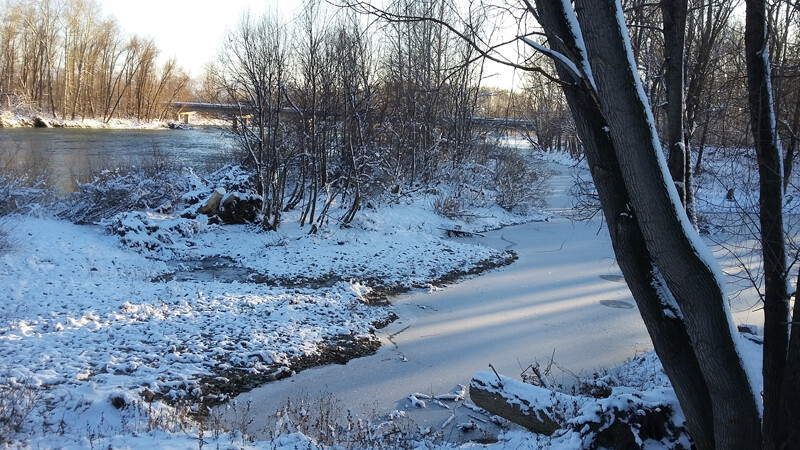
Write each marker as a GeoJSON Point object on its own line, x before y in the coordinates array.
{"type": "Point", "coordinates": [563, 298]}
{"type": "Point", "coordinates": [21, 119]}
{"type": "Point", "coordinates": [95, 334]}
{"type": "Point", "coordinates": [98, 332]}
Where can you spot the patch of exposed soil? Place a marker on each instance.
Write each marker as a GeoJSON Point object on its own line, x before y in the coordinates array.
{"type": "Point", "coordinates": [225, 384]}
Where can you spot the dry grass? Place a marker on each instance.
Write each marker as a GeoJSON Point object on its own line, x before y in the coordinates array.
{"type": "Point", "coordinates": [5, 240]}
{"type": "Point", "coordinates": [447, 206]}
{"type": "Point", "coordinates": [325, 420]}
{"type": "Point", "coordinates": [17, 400]}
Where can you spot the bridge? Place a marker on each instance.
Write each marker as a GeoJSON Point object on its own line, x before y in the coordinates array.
{"type": "Point", "coordinates": [236, 113]}
{"type": "Point", "coordinates": [240, 113]}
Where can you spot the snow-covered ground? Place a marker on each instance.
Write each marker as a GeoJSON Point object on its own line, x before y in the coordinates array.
{"type": "Point", "coordinates": [564, 298]}
{"type": "Point", "coordinates": [24, 118]}
{"type": "Point", "coordinates": [92, 328]}
{"type": "Point", "coordinates": [562, 295]}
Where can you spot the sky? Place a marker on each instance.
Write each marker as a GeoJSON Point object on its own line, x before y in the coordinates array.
{"type": "Point", "coordinates": [190, 30]}
{"type": "Point", "coordinates": [193, 30]}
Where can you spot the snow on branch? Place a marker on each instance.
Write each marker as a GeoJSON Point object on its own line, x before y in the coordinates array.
{"type": "Point", "coordinates": [556, 56]}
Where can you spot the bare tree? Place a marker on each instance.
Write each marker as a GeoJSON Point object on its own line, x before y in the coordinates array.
{"type": "Point", "coordinates": [253, 73]}
{"type": "Point", "coordinates": [784, 45]}
{"type": "Point", "coordinates": [314, 107]}
{"type": "Point", "coordinates": [122, 77]}
{"type": "Point", "coordinates": [781, 364]}
{"type": "Point", "coordinates": [61, 57]}
{"type": "Point", "coordinates": [143, 80]}
{"type": "Point", "coordinates": [674, 13]}
{"type": "Point", "coordinates": [356, 78]}
{"type": "Point", "coordinates": [707, 26]}
{"type": "Point", "coordinates": [674, 279]}
{"type": "Point", "coordinates": [548, 111]}
{"type": "Point", "coordinates": [30, 40]}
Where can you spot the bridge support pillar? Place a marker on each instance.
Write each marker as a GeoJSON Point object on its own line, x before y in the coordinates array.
{"type": "Point", "coordinates": [245, 120]}
{"type": "Point", "coordinates": [183, 116]}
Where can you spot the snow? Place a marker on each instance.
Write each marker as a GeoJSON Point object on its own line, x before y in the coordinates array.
{"type": "Point", "coordinates": [526, 397]}
{"type": "Point", "coordinates": [561, 58]}
{"type": "Point", "coordinates": [83, 310]}
{"type": "Point", "coordinates": [671, 308]}
{"type": "Point", "coordinates": [585, 416]}
{"type": "Point", "coordinates": [19, 118]}
{"type": "Point", "coordinates": [572, 19]}
{"type": "Point", "coordinates": [95, 325]}
{"type": "Point", "coordinates": [545, 301]}
{"type": "Point", "coordinates": [93, 320]}
{"type": "Point", "coordinates": [768, 88]}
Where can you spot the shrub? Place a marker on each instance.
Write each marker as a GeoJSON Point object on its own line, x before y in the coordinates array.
{"type": "Point", "coordinates": [5, 242]}
{"type": "Point", "coordinates": [115, 192]}
{"type": "Point", "coordinates": [17, 400]}
{"type": "Point", "coordinates": [22, 182]}
{"type": "Point", "coordinates": [447, 206]}
{"type": "Point", "coordinates": [517, 184]}
{"type": "Point", "coordinates": [139, 231]}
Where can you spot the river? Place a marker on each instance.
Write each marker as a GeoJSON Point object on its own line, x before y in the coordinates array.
{"type": "Point", "coordinates": [67, 155]}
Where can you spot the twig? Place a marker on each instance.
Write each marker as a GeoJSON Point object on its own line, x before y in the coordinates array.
{"type": "Point", "coordinates": [499, 381]}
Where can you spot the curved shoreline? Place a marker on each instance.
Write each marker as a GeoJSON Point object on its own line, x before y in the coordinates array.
{"type": "Point", "coordinates": [341, 349]}
{"type": "Point", "coordinates": [508, 317]}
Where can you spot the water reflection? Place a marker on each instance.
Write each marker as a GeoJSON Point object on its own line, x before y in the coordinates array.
{"type": "Point", "coordinates": [65, 156]}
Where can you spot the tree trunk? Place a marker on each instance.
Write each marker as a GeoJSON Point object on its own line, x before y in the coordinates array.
{"type": "Point", "coordinates": [778, 414]}
{"type": "Point", "coordinates": [667, 330]}
{"type": "Point", "coordinates": [674, 14]}
{"type": "Point", "coordinates": [789, 421]}
{"type": "Point", "coordinates": [624, 425]}
{"type": "Point", "coordinates": [691, 275]}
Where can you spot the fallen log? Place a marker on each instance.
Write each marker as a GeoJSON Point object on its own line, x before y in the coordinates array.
{"type": "Point", "coordinates": [624, 420]}
{"type": "Point", "coordinates": [532, 407]}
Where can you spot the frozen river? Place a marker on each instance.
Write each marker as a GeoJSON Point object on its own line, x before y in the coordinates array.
{"type": "Point", "coordinates": [564, 296]}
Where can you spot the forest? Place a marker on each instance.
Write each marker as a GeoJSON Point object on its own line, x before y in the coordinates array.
{"type": "Point", "coordinates": [408, 88]}
{"type": "Point", "coordinates": [65, 59]}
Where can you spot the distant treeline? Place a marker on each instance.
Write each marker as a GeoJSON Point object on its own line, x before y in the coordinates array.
{"type": "Point", "coordinates": [64, 58]}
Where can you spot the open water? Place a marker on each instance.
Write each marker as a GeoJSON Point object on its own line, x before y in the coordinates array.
{"type": "Point", "coordinates": [68, 155]}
